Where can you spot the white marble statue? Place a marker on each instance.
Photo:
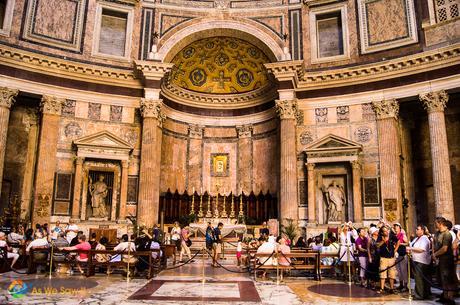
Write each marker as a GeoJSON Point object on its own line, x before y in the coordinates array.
{"type": "Point", "coordinates": [336, 202]}
{"type": "Point", "coordinates": [98, 191]}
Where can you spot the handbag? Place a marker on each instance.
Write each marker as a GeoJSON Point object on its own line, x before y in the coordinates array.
{"type": "Point", "coordinates": [188, 242]}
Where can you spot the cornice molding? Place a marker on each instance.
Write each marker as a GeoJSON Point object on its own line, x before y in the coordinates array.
{"type": "Point", "coordinates": [94, 73]}
{"type": "Point", "coordinates": [287, 70]}
{"type": "Point", "coordinates": [218, 101]}
{"type": "Point", "coordinates": [401, 66]}
{"type": "Point", "coordinates": [153, 70]}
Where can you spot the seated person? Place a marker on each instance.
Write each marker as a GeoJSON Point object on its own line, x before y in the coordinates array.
{"type": "Point", "coordinates": [74, 240]}
{"type": "Point", "coordinates": [60, 242]}
{"type": "Point", "coordinates": [301, 243]}
{"type": "Point", "coordinates": [8, 249]}
{"type": "Point", "coordinates": [330, 247]}
{"type": "Point", "coordinates": [318, 244]}
{"type": "Point", "coordinates": [267, 247]}
{"type": "Point", "coordinates": [93, 242]}
{"type": "Point", "coordinates": [39, 242]}
{"type": "Point", "coordinates": [101, 245]}
{"type": "Point", "coordinates": [81, 247]}
{"type": "Point", "coordinates": [283, 249]}
{"type": "Point", "coordinates": [125, 246]}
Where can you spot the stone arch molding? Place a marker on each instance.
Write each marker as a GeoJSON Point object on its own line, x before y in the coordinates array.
{"type": "Point", "coordinates": [215, 27]}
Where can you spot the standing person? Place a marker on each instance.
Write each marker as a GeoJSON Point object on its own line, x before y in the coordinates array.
{"type": "Point", "coordinates": [239, 249]}
{"type": "Point", "coordinates": [387, 245]}
{"type": "Point", "coordinates": [443, 253]}
{"type": "Point", "coordinates": [347, 236]}
{"type": "Point", "coordinates": [420, 249]}
{"type": "Point", "coordinates": [175, 235]}
{"type": "Point", "coordinates": [216, 245]}
{"type": "Point", "coordinates": [361, 247]}
{"type": "Point", "coordinates": [209, 236]}
{"type": "Point", "coordinates": [402, 257]}
{"type": "Point", "coordinates": [373, 258]}
{"type": "Point", "coordinates": [185, 244]}
{"type": "Point", "coordinates": [156, 233]}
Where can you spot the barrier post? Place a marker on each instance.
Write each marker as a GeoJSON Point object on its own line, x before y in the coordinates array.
{"type": "Point", "coordinates": [51, 258]}
{"type": "Point", "coordinates": [129, 258]}
{"type": "Point", "coordinates": [349, 266]}
{"type": "Point", "coordinates": [203, 264]}
{"type": "Point", "coordinates": [277, 268]}
{"type": "Point", "coordinates": [408, 277]}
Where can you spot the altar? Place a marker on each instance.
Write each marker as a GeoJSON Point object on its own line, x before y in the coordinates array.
{"type": "Point", "coordinates": [227, 229]}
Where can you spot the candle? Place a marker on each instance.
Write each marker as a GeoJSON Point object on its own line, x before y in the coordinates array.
{"type": "Point", "coordinates": [193, 190]}
{"type": "Point", "coordinates": [201, 190]}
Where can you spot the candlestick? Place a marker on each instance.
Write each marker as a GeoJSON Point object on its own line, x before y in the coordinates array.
{"type": "Point", "coordinates": [224, 212]}
{"type": "Point", "coordinates": [208, 212]}
{"type": "Point", "coordinates": [200, 212]}
{"type": "Point", "coordinates": [216, 210]}
{"type": "Point", "coordinates": [241, 205]}
{"type": "Point", "coordinates": [192, 208]}
{"type": "Point", "coordinates": [232, 211]}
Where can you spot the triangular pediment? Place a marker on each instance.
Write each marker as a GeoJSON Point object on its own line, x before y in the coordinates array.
{"type": "Point", "coordinates": [332, 141]}
{"type": "Point", "coordinates": [103, 139]}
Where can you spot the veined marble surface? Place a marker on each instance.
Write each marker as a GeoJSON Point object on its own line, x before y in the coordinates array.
{"type": "Point", "coordinates": [185, 282]}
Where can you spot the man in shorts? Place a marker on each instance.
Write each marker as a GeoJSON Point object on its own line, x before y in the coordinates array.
{"type": "Point", "coordinates": [217, 243]}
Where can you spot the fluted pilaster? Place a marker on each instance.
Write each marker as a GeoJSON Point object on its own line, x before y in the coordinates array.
{"type": "Point", "coordinates": [123, 188]}
{"type": "Point", "coordinates": [46, 162]}
{"type": "Point", "coordinates": [434, 103]}
{"type": "Point", "coordinates": [77, 187]}
{"type": "Point", "coordinates": [389, 150]}
{"type": "Point", "coordinates": [195, 157]}
{"type": "Point", "coordinates": [149, 176]}
{"type": "Point", "coordinates": [6, 101]}
{"type": "Point", "coordinates": [245, 158]}
{"type": "Point", "coordinates": [287, 111]}
{"type": "Point", "coordinates": [357, 198]}
{"type": "Point", "coordinates": [311, 188]}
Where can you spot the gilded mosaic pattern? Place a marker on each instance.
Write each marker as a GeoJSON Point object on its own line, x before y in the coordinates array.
{"type": "Point", "coordinates": [387, 20]}
{"type": "Point", "coordinates": [220, 65]}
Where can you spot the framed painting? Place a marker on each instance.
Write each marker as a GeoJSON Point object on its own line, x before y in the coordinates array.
{"type": "Point", "coordinates": [219, 165]}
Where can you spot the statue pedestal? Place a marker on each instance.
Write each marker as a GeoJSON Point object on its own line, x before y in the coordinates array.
{"type": "Point", "coordinates": [98, 219]}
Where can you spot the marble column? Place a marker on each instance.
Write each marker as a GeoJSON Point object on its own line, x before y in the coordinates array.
{"type": "Point", "coordinates": [77, 187]}
{"type": "Point", "coordinates": [123, 189]}
{"type": "Point", "coordinates": [311, 189]}
{"type": "Point", "coordinates": [245, 158]}
{"type": "Point", "coordinates": [408, 172]}
{"type": "Point", "coordinates": [287, 111]}
{"type": "Point", "coordinates": [434, 103]}
{"type": "Point", "coordinates": [195, 158]}
{"type": "Point", "coordinates": [357, 198]}
{"type": "Point", "coordinates": [149, 176]}
{"type": "Point", "coordinates": [389, 158]}
{"type": "Point", "coordinates": [6, 101]}
{"type": "Point", "coordinates": [46, 163]}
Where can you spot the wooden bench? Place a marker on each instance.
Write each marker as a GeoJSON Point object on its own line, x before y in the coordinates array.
{"type": "Point", "coordinates": [327, 267]}
{"type": "Point", "coordinates": [154, 264]}
{"type": "Point", "coordinates": [5, 262]}
{"type": "Point", "coordinates": [299, 261]}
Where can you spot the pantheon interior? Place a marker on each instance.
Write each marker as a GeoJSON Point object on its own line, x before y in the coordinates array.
{"type": "Point", "coordinates": [266, 108]}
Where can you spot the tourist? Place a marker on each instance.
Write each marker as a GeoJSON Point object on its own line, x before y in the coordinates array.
{"type": "Point", "coordinates": [82, 247]}
{"type": "Point", "coordinates": [387, 245]}
{"type": "Point", "coordinates": [456, 247]}
{"type": "Point", "coordinates": [102, 246]}
{"type": "Point", "coordinates": [268, 248]}
{"type": "Point", "coordinates": [217, 243]}
{"type": "Point", "coordinates": [175, 236]}
{"type": "Point", "coordinates": [361, 247]}
{"type": "Point", "coordinates": [264, 231]}
{"type": "Point", "coordinates": [39, 242]}
{"type": "Point", "coordinates": [8, 249]}
{"type": "Point", "coordinates": [185, 243]}
{"type": "Point", "coordinates": [300, 243]}
{"type": "Point", "coordinates": [28, 237]}
{"type": "Point", "coordinates": [74, 240]}
{"type": "Point", "coordinates": [93, 242]}
{"type": "Point", "coordinates": [156, 233]}
{"type": "Point", "coordinates": [420, 249]}
{"type": "Point", "coordinates": [126, 246]}
{"type": "Point", "coordinates": [373, 266]}
{"type": "Point", "coordinates": [60, 242]}
{"type": "Point", "coordinates": [283, 249]}
{"type": "Point", "coordinates": [71, 231]}
{"type": "Point", "coordinates": [346, 238]}
{"type": "Point", "coordinates": [16, 237]}
{"type": "Point", "coordinates": [45, 231]}
{"type": "Point", "coordinates": [239, 249]}
{"type": "Point", "coordinates": [56, 231]}
{"type": "Point", "coordinates": [443, 254]}
{"type": "Point", "coordinates": [209, 236]}
{"type": "Point", "coordinates": [401, 267]}
{"type": "Point", "coordinates": [318, 244]}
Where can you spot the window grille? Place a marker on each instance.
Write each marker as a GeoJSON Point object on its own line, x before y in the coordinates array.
{"type": "Point", "coordinates": [446, 9]}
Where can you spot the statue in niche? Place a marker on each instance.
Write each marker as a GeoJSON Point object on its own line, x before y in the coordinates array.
{"type": "Point", "coordinates": [335, 202]}
{"type": "Point", "coordinates": [98, 191]}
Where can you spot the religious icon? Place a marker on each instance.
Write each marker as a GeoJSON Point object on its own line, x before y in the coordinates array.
{"type": "Point", "coordinates": [219, 165]}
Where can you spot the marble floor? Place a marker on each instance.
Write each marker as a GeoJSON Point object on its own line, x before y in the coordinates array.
{"type": "Point", "coordinates": [196, 283]}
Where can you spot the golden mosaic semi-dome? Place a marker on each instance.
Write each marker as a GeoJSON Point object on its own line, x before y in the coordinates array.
{"type": "Point", "coordinates": [220, 65]}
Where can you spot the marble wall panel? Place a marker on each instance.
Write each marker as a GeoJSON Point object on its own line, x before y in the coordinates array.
{"type": "Point", "coordinates": [266, 164]}
{"type": "Point", "coordinates": [211, 132]}
{"type": "Point", "coordinates": [195, 163]}
{"type": "Point", "coordinates": [128, 115]}
{"type": "Point", "coordinates": [339, 130]}
{"type": "Point", "coordinates": [173, 164]}
{"type": "Point", "coordinates": [265, 127]}
{"type": "Point", "coordinates": [175, 126]}
{"type": "Point", "coordinates": [382, 28]}
{"type": "Point", "coordinates": [229, 182]}
{"type": "Point", "coordinates": [355, 113]}
{"type": "Point", "coordinates": [81, 109]}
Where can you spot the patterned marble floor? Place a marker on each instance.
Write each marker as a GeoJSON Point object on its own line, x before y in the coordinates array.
{"type": "Point", "coordinates": [197, 283]}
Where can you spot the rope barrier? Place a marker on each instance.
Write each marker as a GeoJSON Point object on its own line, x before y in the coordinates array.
{"type": "Point", "coordinates": [429, 281]}
{"type": "Point", "coordinates": [225, 268]}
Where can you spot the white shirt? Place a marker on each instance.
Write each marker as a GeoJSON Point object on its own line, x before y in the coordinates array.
{"type": "Point", "coordinates": [3, 243]}
{"type": "Point", "coordinates": [175, 232]}
{"type": "Point", "coordinates": [39, 242]}
{"type": "Point", "coordinates": [123, 246]}
{"type": "Point", "coordinates": [15, 238]}
{"type": "Point", "coordinates": [70, 235]}
{"type": "Point", "coordinates": [345, 239]}
{"type": "Point", "coordinates": [155, 246]}
{"type": "Point", "coordinates": [239, 247]}
{"type": "Point", "coordinates": [266, 248]}
{"type": "Point", "coordinates": [422, 243]}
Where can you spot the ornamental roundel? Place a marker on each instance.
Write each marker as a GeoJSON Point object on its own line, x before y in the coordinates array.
{"type": "Point", "coordinates": [220, 65]}
{"type": "Point", "coordinates": [198, 77]}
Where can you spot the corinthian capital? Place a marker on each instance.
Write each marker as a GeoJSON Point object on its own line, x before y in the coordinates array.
{"type": "Point", "coordinates": [244, 131]}
{"type": "Point", "coordinates": [434, 101]}
{"type": "Point", "coordinates": [152, 108]}
{"type": "Point", "coordinates": [7, 97]}
{"type": "Point", "coordinates": [195, 131]}
{"type": "Point", "coordinates": [287, 109]}
{"type": "Point", "coordinates": [386, 109]}
{"type": "Point", "coordinates": [51, 105]}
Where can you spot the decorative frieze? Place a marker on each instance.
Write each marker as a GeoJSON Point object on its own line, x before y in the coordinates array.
{"type": "Point", "coordinates": [51, 105]}
{"type": "Point", "coordinates": [386, 109]}
{"type": "Point", "coordinates": [7, 96]}
{"type": "Point", "coordinates": [287, 109]}
{"type": "Point", "coordinates": [195, 131]}
{"type": "Point", "coordinates": [151, 108]}
{"type": "Point", "coordinates": [434, 101]}
{"type": "Point", "coordinates": [321, 115]}
{"type": "Point", "coordinates": [343, 114]}
{"type": "Point", "coordinates": [244, 131]}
